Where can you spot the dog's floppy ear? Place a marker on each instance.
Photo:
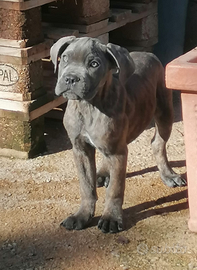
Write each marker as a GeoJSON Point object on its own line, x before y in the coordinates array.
{"type": "Point", "coordinates": [58, 48]}
{"type": "Point", "coordinates": [111, 51]}
{"type": "Point", "coordinates": [121, 58]}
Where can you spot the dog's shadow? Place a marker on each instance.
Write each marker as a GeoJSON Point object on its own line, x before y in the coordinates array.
{"type": "Point", "coordinates": [178, 163]}
{"type": "Point", "coordinates": [134, 214]}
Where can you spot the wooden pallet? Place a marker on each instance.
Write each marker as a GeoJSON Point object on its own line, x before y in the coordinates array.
{"type": "Point", "coordinates": [117, 19]}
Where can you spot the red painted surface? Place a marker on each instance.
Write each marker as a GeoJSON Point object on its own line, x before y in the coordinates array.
{"type": "Point", "coordinates": [181, 74]}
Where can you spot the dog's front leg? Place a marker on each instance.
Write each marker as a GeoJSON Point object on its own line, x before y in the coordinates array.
{"type": "Point", "coordinates": [84, 155]}
{"type": "Point", "coordinates": [112, 218]}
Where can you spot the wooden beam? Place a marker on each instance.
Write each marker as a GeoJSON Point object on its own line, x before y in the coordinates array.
{"type": "Point", "coordinates": [13, 43]}
{"type": "Point", "coordinates": [47, 107]}
{"type": "Point", "coordinates": [23, 5]}
{"type": "Point", "coordinates": [27, 55]}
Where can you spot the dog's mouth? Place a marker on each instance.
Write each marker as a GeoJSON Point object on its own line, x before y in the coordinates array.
{"type": "Point", "coordinates": [77, 91]}
{"type": "Point", "coordinates": [70, 95]}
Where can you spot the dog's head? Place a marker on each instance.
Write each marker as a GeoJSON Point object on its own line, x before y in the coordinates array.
{"type": "Point", "coordinates": [84, 66]}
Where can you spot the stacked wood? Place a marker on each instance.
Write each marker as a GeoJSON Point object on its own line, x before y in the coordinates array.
{"type": "Point", "coordinates": [22, 92]}
{"type": "Point", "coordinates": [78, 11]}
{"type": "Point", "coordinates": [141, 34]}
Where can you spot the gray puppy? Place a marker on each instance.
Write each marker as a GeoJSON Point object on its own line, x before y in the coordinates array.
{"type": "Point", "coordinates": [112, 97]}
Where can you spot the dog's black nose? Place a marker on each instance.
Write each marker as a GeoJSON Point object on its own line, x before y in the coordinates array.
{"type": "Point", "coordinates": [71, 79]}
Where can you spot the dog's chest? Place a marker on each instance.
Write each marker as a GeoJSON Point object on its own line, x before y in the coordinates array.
{"type": "Point", "coordinates": [94, 127]}
{"type": "Point", "coordinates": [96, 131]}
{"type": "Point", "coordinates": [89, 139]}
{"type": "Point", "coordinates": [99, 142]}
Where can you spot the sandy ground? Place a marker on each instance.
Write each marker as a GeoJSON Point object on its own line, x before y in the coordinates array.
{"type": "Point", "coordinates": [37, 194]}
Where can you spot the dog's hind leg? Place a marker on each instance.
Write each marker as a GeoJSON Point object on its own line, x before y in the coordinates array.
{"type": "Point", "coordinates": [163, 126]}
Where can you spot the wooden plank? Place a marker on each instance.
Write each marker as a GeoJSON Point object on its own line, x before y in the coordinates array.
{"type": "Point", "coordinates": [12, 105]}
{"type": "Point", "coordinates": [23, 5]}
{"type": "Point", "coordinates": [25, 56]}
{"type": "Point", "coordinates": [55, 33]}
{"type": "Point", "coordinates": [54, 16]}
{"type": "Point", "coordinates": [88, 28]}
{"type": "Point", "coordinates": [95, 34]}
{"type": "Point", "coordinates": [13, 43]}
{"type": "Point", "coordinates": [118, 15]}
{"type": "Point", "coordinates": [47, 107]}
{"type": "Point", "coordinates": [132, 18]}
{"type": "Point", "coordinates": [23, 106]}
{"type": "Point", "coordinates": [135, 7]}
{"type": "Point", "coordinates": [11, 96]}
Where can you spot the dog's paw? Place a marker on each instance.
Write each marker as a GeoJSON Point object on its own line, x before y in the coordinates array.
{"type": "Point", "coordinates": [102, 181]}
{"type": "Point", "coordinates": [174, 180]}
{"type": "Point", "coordinates": [110, 225]}
{"type": "Point", "coordinates": [75, 222]}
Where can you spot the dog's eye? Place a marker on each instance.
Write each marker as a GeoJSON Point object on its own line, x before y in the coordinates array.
{"type": "Point", "coordinates": [94, 64]}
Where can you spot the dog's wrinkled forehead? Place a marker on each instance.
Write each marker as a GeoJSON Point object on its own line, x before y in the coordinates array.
{"type": "Point", "coordinates": [81, 48]}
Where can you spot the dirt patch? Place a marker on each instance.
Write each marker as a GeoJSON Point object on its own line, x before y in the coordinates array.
{"type": "Point", "coordinates": [37, 194]}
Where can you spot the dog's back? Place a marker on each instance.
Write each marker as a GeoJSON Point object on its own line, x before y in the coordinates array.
{"type": "Point", "coordinates": [143, 64]}
{"type": "Point", "coordinates": [147, 66]}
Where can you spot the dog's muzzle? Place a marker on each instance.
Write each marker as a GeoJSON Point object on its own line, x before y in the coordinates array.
{"type": "Point", "coordinates": [69, 86]}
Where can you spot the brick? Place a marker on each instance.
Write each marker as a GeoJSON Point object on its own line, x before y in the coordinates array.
{"type": "Point", "coordinates": [81, 11]}
{"type": "Point", "coordinates": [22, 135]}
{"type": "Point", "coordinates": [21, 79]}
{"type": "Point", "coordinates": [21, 25]}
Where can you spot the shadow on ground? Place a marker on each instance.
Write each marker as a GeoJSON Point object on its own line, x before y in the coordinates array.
{"type": "Point", "coordinates": [56, 137]}
{"type": "Point", "coordinates": [47, 246]}
{"type": "Point", "coordinates": [142, 211]}
{"type": "Point", "coordinates": [178, 163]}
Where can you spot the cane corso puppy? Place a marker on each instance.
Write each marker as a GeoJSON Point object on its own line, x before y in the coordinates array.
{"type": "Point", "coordinates": [112, 97]}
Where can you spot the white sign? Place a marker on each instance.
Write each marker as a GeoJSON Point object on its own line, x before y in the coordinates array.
{"type": "Point", "coordinates": [8, 75]}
